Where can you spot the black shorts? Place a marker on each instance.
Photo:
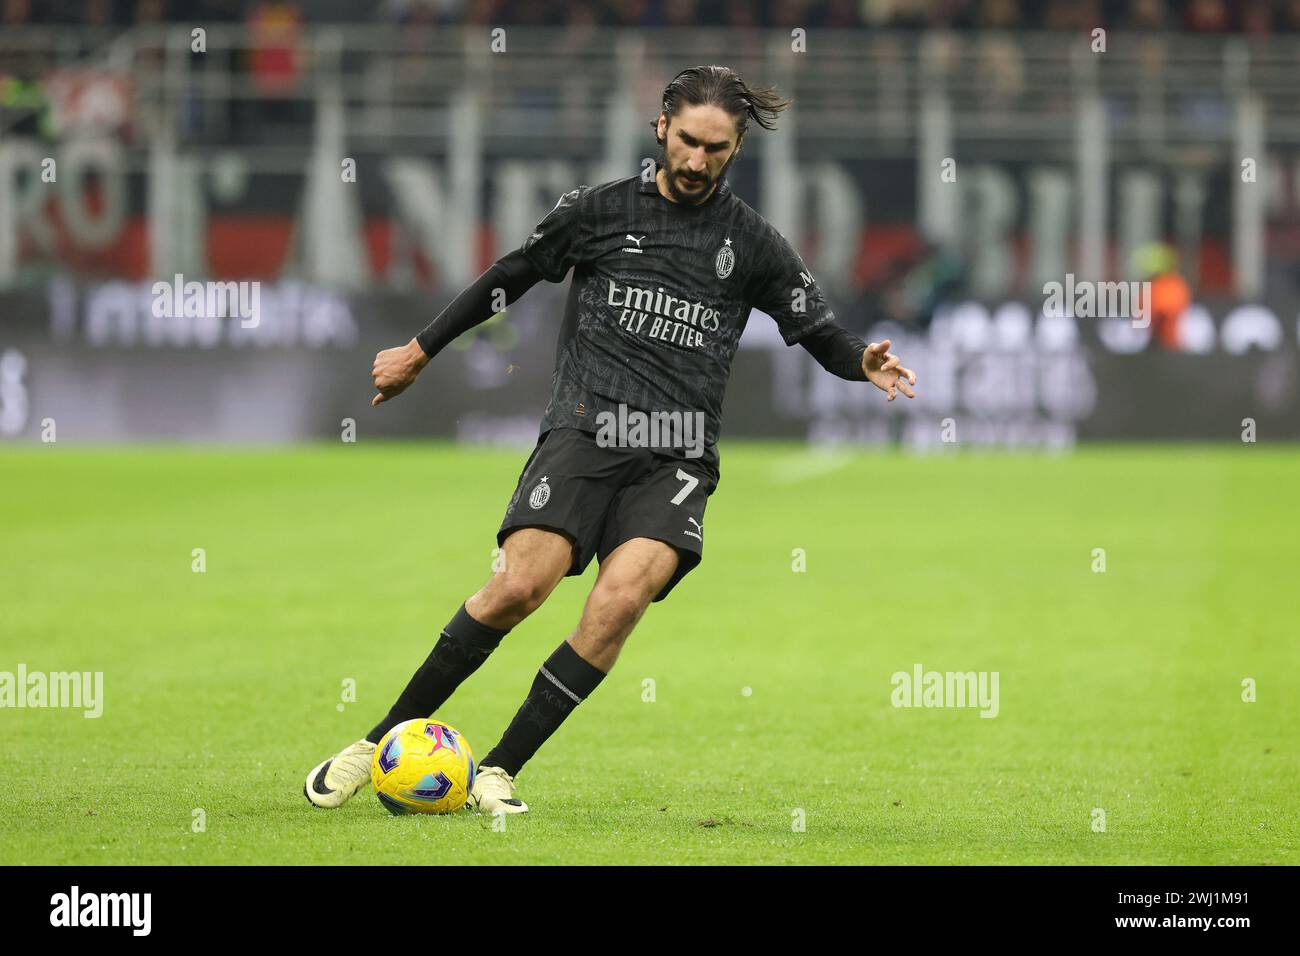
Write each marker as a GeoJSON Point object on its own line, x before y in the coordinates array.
{"type": "Point", "coordinates": [601, 497]}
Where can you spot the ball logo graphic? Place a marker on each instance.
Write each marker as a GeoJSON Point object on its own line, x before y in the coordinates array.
{"type": "Point", "coordinates": [541, 494]}
{"type": "Point", "coordinates": [423, 766]}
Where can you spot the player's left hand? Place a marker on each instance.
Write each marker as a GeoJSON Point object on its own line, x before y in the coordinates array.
{"type": "Point", "coordinates": [884, 371]}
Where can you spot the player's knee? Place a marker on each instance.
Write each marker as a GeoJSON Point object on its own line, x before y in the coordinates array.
{"type": "Point", "coordinates": [621, 607]}
{"type": "Point", "coordinates": [518, 595]}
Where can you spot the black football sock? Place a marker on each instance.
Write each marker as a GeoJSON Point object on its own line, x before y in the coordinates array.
{"type": "Point", "coordinates": [464, 645]}
{"type": "Point", "coordinates": [564, 682]}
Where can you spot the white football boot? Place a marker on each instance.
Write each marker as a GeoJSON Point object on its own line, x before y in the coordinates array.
{"type": "Point", "coordinates": [332, 783]}
{"type": "Point", "coordinates": [493, 791]}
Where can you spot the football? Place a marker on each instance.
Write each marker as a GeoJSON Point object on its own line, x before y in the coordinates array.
{"type": "Point", "coordinates": [423, 766]}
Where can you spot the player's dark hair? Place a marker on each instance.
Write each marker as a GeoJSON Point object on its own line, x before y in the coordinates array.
{"type": "Point", "coordinates": [722, 87]}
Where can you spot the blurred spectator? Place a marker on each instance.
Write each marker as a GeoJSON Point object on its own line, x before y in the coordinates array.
{"type": "Point", "coordinates": [1157, 263]}
{"type": "Point", "coordinates": [741, 14]}
{"type": "Point", "coordinates": [909, 15]}
{"type": "Point", "coordinates": [1146, 15]}
{"type": "Point", "coordinates": [785, 15]}
{"type": "Point", "coordinates": [840, 15]}
{"type": "Point", "coordinates": [681, 13]}
{"type": "Point", "coordinates": [1074, 16]}
{"type": "Point", "coordinates": [487, 13]}
{"type": "Point", "coordinates": [999, 15]}
{"type": "Point", "coordinates": [97, 13]}
{"type": "Point", "coordinates": [1207, 16]}
{"type": "Point", "coordinates": [582, 21]}
{"type": "Point", "coordinates": [275, 55]}
{"type": "Point", "coordinates": [16, 12]}
{"type": "Point", "coordinates": [423, 12]}
{"type": "Point", "coordinates": [150, 11]}
{"type": "Point", "coordinates": [1257, 19]}
{"type": "Point", "coordinates": [631, 13]}
{"type": "Point", "coordinates": [24, 106]}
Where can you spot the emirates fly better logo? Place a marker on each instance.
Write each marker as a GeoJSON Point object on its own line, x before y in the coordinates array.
{"type": "Point", "coordinates": [658, 315]}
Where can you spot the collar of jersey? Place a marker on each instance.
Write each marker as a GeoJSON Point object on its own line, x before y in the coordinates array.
{"type": "Point", "coordinates": [652, 186]}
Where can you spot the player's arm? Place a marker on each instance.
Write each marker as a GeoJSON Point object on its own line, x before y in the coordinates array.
{"type": "Point", "coordinates": [842, 353]}
{"type": "Point", "coordinates": [837, 350]}
{"type": "Point", "coordinates": [395, 369]}
{"type": "Point", "coordinates": [555, 246]}
{"type": "Point", "coordinates": [783, 287]}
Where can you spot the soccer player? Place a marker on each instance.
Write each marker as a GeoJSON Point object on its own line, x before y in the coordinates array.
{"type": "Point", "coordinates": [666, 269]}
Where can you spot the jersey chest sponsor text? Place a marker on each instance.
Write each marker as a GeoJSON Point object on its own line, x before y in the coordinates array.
{"type": "Point", "coordinates": [657, 314]}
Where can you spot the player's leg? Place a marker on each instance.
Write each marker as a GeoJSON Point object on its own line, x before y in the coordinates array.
{"type": "Point", "coordinates": [628, 581]}
{"type": "Point", "coordinates": [552, 527]}
{"type": "Point", "coordinates": [535, 560]}
{"type": "Point", "coordinates": [630, 578]}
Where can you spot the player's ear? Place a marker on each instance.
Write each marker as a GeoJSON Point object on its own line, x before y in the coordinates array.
{"type": "Point", "coordinates": [661, 127]}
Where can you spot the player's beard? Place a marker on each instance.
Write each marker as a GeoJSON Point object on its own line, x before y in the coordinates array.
{"type": "Point", "coordinates": [674, 186]}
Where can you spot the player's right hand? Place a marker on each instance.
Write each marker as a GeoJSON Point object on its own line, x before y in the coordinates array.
{"type": "Point", "coordinates": [395, 369]}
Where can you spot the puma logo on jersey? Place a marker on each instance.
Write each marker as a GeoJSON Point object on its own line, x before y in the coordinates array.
{"type": "Point", "coordinates": [632, 238]}
{"type": "Point", "coordinates": [698, 533]}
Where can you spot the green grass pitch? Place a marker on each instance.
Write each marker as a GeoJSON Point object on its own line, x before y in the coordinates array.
{"type": "Point", "coordinates": [1119, 690]}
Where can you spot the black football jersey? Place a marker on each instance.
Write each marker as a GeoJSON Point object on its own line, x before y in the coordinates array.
{"type": "Point", "coordinates": [660, 295]}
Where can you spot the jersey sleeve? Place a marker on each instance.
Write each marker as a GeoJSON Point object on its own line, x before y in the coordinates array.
{"type": "Point", "coordinates": [558, 242]}
{"type": "Point", "coordinates": [513, 274]}
{"type": "Point", "coordinates": [785, 289]}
